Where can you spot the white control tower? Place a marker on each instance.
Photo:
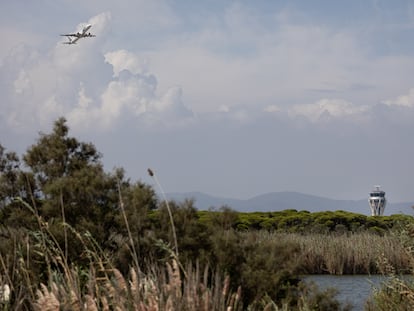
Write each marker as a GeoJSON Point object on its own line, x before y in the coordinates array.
{"type": "Point", "coordinates": [377, 201]}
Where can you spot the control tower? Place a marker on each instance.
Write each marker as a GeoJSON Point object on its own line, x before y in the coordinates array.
{"type": "Point", "coordinates": [377, 201]}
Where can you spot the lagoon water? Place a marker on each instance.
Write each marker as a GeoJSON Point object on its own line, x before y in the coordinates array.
{"type": "Point", "coordinates": [355, 289]}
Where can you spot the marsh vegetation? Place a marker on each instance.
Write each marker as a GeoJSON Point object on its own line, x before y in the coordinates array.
{"type": "Point", "coordinates": [74, 237]}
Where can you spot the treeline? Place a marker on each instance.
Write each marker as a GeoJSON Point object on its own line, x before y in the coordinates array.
{"type": "Point", "coordinates": [294, 221]}
{"type": "Point", "coordinates": [67, 223]}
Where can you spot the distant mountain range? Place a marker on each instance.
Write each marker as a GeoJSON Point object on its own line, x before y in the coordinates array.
{"type": "Point", "coordinates": [278, 201]}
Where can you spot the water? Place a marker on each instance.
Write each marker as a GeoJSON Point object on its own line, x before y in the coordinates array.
{"type": "Point", "coordinates": [355, 289]}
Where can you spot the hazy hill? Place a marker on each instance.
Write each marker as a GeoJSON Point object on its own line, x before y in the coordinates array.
{"type": "Point", "coordinates": [277, 201]}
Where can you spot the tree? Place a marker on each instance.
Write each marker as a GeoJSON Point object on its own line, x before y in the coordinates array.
{"type": "Point", "coordinates": [71, 183]}
{"type": "Point", "coordinates": [56, 155]}
{"type": "Point", "coordinates": [132, 222]}
{"type": "Point", "coordinates": [14, 183]}
{"type": "Point", "coordinates": [9, 176]}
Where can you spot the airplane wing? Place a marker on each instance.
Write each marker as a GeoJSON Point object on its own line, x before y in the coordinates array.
{"type": "Point", "coordinates": [72, 35]}
{"type": "Point", "coordinates": [71, 41]}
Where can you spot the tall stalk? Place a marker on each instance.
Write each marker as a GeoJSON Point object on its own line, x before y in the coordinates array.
{"type": "Point", "coordinates": [64, 223]}
{"type": "Point", "coordinates": [131, 241]}
{"type": "Point", "coordinates": [151, 173]}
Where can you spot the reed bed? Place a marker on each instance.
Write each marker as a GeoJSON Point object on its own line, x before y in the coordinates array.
{"type": "Point", "coordinates": [397, 293]}
{"type": "Point", "coordinates": [101, 286]}
{"type": "Point", "coordinates": [355, 253]}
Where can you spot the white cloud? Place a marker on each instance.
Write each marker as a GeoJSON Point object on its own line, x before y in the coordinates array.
{"type": "Point", "coordinates": [406, 100]}
{"type": "Point", "coordinates": [256, 64]}
{"type": "Point", "coordinates": [125, 60]}
{"type": "Point", "coordinates": [260, 79]}
{"type": "Point", "coordinates": [130, 94]}
{"type": "Point", "coordinates": [87, 85]}
{"type": "Point", "coordinates": [83, 114]}
{"type": "Point", "coordinates": [22, 82]}
{"type": "Point", "coordinates": [290, 62]}
{"type": "Point", "coordinates": [272, 108]}
{"type": "Point", "coordinates": [327, 108]}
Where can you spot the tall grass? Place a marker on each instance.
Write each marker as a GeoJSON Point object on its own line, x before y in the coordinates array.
{"type": "Point", "coordinates": [356, 253]}
{"type": "Point", "coordinates": [152, 174]}
{"type": "Point", "coordinates": [397, 292]}
{"type": "Point", "coordinates": [99, 285]}
{"type": "Point", "coordinates": [160, 290]}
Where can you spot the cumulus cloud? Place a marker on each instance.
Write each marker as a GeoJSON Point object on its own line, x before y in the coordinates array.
{"type": "Point", "coordinates": [125, 60]}
{"type": "Point", "coordinates": [89, 86]}
{"type": "Point", "coordinates": [96, 86]}
{"type": "Point", "coordinates": [406, 100]}
{"type": "Point", "coordinates": [39, 87]}
{"type": "Point", "coordinates": [130, 95]}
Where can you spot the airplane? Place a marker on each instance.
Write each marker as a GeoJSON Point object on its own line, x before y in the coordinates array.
{"type": "Point", "coordinates": [78, 35]}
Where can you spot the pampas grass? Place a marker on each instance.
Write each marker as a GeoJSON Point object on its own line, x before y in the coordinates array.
{"type": "Point", "coordinates": [167, 291]}
{"type": "Point", "coordinates": [104, 287]}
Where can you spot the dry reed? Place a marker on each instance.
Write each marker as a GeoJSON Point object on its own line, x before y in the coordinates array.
{"type": "Point", "coordinates": [144, 293]}
{"type": "Point", "coordinates": [357, 253]}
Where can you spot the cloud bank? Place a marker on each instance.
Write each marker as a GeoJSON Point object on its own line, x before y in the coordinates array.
{"type": "Point", "coordinates": [100, 88]}
{"type": "Point", "coordinates": [235, 100]}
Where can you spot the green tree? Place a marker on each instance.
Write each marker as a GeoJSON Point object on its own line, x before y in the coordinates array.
{"type": "Point", "coordinates": [56, 156]}
{"type": "Point", "coordinates": [9, 177]}
{"type": "Point", "coordinates": [224, 218]}
{"type": "Point", "coordinates": [70, 181]}
{"type": "Point", "coordinates": [14, 183]}
{"type": "Point", "coordinates": [138, 202]}
{"type": "Point", "coordinates": [193, 235]}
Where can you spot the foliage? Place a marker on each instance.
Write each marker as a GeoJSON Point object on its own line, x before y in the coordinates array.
{"type": "Point", "coordinates": [70, 181]}
{"type": "Point", "coordinates": [397, 292]}
{"type": "Point", "coordinates": [318, 222]}
{"type": "Point", "coordinates": [9, 176]}
{"type": "Point", "coordinates": [315, 299]}
{"type": "Point", "coordinates": [83, 233]}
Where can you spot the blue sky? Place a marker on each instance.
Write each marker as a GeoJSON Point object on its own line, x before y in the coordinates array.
{"type": "Point", "coordinates": [231, 98]}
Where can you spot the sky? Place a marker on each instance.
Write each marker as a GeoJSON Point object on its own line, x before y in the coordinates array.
{"type": "Point", "coordinates": [230, 98]}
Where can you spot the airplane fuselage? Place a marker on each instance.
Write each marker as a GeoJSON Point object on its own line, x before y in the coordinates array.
{"type": "Point", "coordinates": [78, 35]}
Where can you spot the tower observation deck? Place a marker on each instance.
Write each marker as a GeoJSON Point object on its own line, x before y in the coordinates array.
{"type": "Point", "coordinates": [377, 201]}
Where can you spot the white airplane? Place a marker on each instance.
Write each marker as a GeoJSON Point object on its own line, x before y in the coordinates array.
{"type": "Point", "coordinates": [78, 35]}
